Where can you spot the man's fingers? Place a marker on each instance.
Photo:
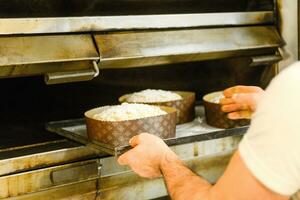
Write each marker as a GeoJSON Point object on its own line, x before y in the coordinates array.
{"type": "Point", "coordinates": [225, 101]}
{"type": "Point", "coordinates": [138, 139]}
{"type": "Point", "coordinates": [126, 158]}
{"type": "Point", "coordinates": [241, 89]}
{"type": "Point", "coordinates": [243, 98]}
{"type": "Point", "coordinates": [240, 101]}
{"type": "Point", "coordinates": [235, 107]}
{"type": "Point", "coordinates": [134, 141]}
{"type": "Point", "coordinates": [239, 115]}
{"type": "Point", "coordinates": [122, 160]}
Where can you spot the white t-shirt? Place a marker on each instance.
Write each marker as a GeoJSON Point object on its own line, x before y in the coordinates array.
{"type": "Point", "coordinates": [271, 147]}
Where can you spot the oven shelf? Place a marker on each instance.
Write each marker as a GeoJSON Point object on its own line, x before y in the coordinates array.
{"type": "Point", "coordinates": [195, 131]}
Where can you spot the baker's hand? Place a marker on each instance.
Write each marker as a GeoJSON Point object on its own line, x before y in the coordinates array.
{"type": "Point", "coordinates": [240, 102]}
{"type": "Point", "coordinates": [147, 155]}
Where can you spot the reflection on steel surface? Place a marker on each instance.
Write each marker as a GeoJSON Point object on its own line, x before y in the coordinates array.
{"type": "Point", "coordinates": [46, 49]}
{"type": "Point", "coordinates": [34, 55]}
{"type": "Point", "coordinates": [105, 23]}
{"type": "Point", "coordinates": [28, 158]}
{"type": "Point", "coordinates": [131, 49]}
{"type": "Point", "coordinates": [86, 190]}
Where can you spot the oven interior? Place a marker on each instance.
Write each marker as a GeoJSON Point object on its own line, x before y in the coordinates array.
{"type": "Point", "coordinates": [28, 104]}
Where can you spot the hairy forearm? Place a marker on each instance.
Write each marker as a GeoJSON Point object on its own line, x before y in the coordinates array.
{"type": "Point", "coordinates": [182, 183]}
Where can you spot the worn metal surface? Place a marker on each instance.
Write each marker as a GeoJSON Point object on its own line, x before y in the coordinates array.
{"type": "Point", "coordinates": [194, 131]}
{"type": "Point", "coordinates": [105, 23]}
{"type": "Point", "coordinates": [44, 68]}
{"type": "Point", "coordinates": [37, 180]}
{"type": "Point", "coordinates": [25, 55]}
{"type": "Point", "coordinates": [25, 158]}
{"type": "Point", "coordinates": [131, 49]}
{"type": "Point", "coordinates": [79, 191]}
{"type": "Point", "coordinates": [46, 49]}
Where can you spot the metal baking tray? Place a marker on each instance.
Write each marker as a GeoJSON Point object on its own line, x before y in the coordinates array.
{"type": "Point", "coordinates": [194, 131]}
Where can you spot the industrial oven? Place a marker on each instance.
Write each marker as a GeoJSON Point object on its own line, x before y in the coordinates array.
{"type": "Point", "coordinates": [59, 58]}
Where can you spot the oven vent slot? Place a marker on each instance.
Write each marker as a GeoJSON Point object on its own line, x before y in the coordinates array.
{"type": "Point", "coordinates": [147, 48]}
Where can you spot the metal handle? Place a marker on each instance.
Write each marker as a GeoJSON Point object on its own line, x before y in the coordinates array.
{"type": "Point", "coordinates": [76, 173]}
{"type": "Point", "coordinates": [72, 76]}
{"type": "Point", "coordinates": [265, 60]}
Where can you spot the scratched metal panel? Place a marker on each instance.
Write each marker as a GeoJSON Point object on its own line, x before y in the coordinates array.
{"type": "Point", "coordinates": [26, 158]}
{"type": "Point", "coordinates": [38, 69]}
{"type": "Point", "coordinates": [26, 50]}
{"type": "Point", "coordinates": [134, 49]}
{"type": "Point", "coordinates": [129, 22]}
{"type": "Point", "coordinates": [80, 191]}
{"type": "Point", "coordinates": [47, 178]}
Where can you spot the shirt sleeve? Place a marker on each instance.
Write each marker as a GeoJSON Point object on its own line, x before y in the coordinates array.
{"type": "Point", "coordinates": [271, 147]}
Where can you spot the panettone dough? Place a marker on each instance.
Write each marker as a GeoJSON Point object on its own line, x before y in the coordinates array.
{"type": "Point", "coordinates": [127, 111]}
{"type": "Point", "coordinates": [152, 96]}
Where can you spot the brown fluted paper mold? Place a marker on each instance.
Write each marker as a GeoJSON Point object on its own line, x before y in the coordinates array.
{"type": "Point", "coordinates": [118, 133]}
{"type": "Point", "coordinates": [216, 117]}
{"type": "Point", "coordinates": [184, 106]}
